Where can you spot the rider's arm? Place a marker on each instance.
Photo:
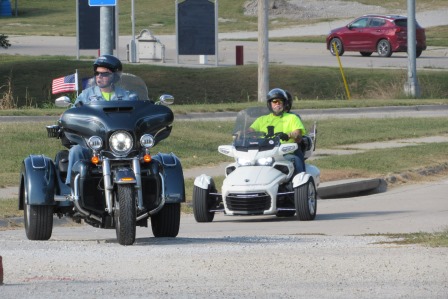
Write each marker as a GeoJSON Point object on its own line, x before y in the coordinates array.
{"type": "Point", "coordinates": [296, 135]}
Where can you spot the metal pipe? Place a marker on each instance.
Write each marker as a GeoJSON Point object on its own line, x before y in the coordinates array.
{"type": "Point", "coordinates": [138, 178]}
{"type": "Point", "coordinates": [108, 187]}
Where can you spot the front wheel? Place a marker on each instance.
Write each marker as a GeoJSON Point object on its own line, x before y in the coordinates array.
{"type": "Point", "coordinates": [383, 48]}
{"type": "Point", "coordinates": [166, 222]}
{"type": "Point", "coordinates": [201, 205]}
{"type": "Point", "coordinates": [339, 46]}
{"type": "Point", "coordinates": [305, 199]}
{"type": "Point", "coordinates": [125, 214]}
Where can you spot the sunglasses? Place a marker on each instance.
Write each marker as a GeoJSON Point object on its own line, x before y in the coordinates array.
{"type": "Point", "coordinates": [277, 102]}
{"type": "Point", "coordinates": [103, 74]}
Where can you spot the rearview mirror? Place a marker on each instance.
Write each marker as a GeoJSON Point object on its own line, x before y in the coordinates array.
{"type": "Point", "coordinates": [63, 102]}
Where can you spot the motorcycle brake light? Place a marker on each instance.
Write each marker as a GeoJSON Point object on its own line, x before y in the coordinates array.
{"type": "Point", "coordinates": [147, 158]}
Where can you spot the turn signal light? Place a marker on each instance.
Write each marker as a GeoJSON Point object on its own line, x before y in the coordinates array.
{"type": "Point", "coordinates": [95, 160]}
{"type": "Point", "coordinates": [147, 158]}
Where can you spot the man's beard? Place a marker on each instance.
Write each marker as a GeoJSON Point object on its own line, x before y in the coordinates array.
{"type": "Point", "coordinates": [277, 112]}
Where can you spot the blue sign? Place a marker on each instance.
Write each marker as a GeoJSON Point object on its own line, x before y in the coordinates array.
{"type": "Point", "coordinates": [102, 2]}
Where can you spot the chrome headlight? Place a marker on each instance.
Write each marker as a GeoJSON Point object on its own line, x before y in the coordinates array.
{"type": "Point", "coordinates": [265, 161]}
{"type": "Point", "coordinates": [147, 141]}
{"type": "Point", "coordinates": [244, 162]}
{"type": "Point", "coordinates": [95, 143]}
{"type": "Point", "coordinates": [121, 143]}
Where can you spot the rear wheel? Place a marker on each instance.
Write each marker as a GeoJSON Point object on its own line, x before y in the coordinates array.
{"type": "Point", "coordinates": [305, 199]}
{"type": "Point", "coordinates": [383, 48]}
{"type": "Point", "coordinates": [38, 220]}
{"type": "Point", "coordinates": [166, 222]}
{"type": "Point", "coordinates": [339, 46]}
{"type": "Point", "coordinates": [418, 53]}
{"type": "Point", "coordinates": [366, 54]}
{"type": "Point", "coordinates": [125, 214]}
{"type": "Point", "coordinates": [202, 205]}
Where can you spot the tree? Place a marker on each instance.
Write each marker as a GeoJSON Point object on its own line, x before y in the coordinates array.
{"type": "Point", "coordinates": [4, 43]}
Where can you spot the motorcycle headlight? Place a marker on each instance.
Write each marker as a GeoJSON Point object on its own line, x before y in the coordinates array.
{"type": "Point", "coordinates": [147, 141]}
{"type": "Point", "coordinates": [265, 161]}
{"type": "Point", "coordinates": [95, 143]}
{"type": "Point", "coordinates": [244, 162]}
{"type": "Point", "coordinates": [121, 143]}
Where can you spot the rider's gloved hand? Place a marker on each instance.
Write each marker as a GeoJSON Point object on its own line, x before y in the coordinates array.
{"type": "Point", "coordinates": [283, 136]}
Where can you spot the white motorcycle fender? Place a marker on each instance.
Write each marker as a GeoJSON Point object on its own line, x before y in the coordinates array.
{"type": "Point", "coordinates": [203, 181]}
{"type": "Point", "coordinates": [303, 177]}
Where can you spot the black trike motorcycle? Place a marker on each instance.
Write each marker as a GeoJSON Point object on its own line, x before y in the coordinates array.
{"type": "Point", "coordinates": [122, 185]}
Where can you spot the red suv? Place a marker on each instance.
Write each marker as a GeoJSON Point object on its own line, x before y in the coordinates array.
{"type": "Point", "coordinates": [375, 33]}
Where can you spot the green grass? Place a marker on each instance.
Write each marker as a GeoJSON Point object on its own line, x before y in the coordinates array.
{"type": "Point", "coordinates": [196, 143]}
{"type": "Point", "coordinates": [31, 81]}
{"type": "Point", "coordinates": [435, 239]}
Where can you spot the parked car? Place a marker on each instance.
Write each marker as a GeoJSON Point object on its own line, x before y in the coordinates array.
{"type": "Point", "coordinates": [375, 33]}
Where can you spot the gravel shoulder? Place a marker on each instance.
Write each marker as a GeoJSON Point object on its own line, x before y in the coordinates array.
{"type": "Point", "coordinates": [194, 266]}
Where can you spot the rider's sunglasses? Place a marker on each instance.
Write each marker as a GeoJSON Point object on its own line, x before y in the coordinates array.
{"type": "Point", "coordinates": [103, 74]}
{"type": "Point", "coordinates": [277, 101]}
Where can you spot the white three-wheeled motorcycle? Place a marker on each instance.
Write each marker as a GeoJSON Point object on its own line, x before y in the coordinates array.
{"type": "Point", "coordinates": [261, 181]}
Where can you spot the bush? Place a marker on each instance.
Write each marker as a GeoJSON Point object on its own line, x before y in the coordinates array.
{"type": "Point", "coordinates": [4, 43]}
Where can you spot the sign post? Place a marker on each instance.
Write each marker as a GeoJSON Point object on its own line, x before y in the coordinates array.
{"type": "Point", "coordinates": [102, 2]}
{"type": "Point", "coordinates": [106, 24]}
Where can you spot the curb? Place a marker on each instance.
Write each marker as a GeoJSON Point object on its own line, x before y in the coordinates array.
{"type": "Point", "coordinates": [351, 188]}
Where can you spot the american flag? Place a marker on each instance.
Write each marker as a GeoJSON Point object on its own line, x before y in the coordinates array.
{"type": "Point", "coordinates": [65, 84]}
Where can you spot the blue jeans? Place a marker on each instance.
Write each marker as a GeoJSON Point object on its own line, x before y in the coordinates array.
{"type": "Point", "coordinates": [298, 160]}
{"type": "Point", "coordinates": [75, 154]}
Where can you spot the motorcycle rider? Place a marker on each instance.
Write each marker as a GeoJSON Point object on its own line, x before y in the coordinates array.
{"type": "Point", "coordinates": [279, 103]}
{"type": "Point", "coordinates": [107, 71]}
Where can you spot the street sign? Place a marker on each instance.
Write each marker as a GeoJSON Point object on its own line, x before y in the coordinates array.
{"type": "Point", "coordinates": [102, 2]}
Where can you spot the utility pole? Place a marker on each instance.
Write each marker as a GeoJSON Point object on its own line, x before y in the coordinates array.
{"type": "Point", "coordinates": [263, 50]}
{"type": "Point", "coordinates": [106, 30]}
{"type": "Point", "coordinates": [133, 45]}
{"type": "Point", "coordinates": [412, 88]}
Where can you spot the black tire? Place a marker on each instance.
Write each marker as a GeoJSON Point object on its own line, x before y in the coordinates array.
{"type": "Point", "coordinates": [418, 53]}
{"type": "Point", "coordinates": [38, 222]}
{"type": "Point", "coordinates": [339, 46]}
{"type": "Point", "coordinates": [305, 199]}
{"type": "Point", "coordinates": [201, 205]}
{"type": "Point", "coordinates": [166, 222]}
{"type": "Point", "coordinates": [125, 214]}
{"type": "Point", "coordinates": [383, 48]}
{"type": "Point", "coordinates": [366, 54]}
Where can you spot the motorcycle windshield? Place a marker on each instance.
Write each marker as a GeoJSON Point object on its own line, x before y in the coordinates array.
{"type": "Point", "coordinates": [245, 140]}
{"type": "Point", "coordinates": [102, 118]}
{"type": "Point", "coordinates": [130, 82]}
